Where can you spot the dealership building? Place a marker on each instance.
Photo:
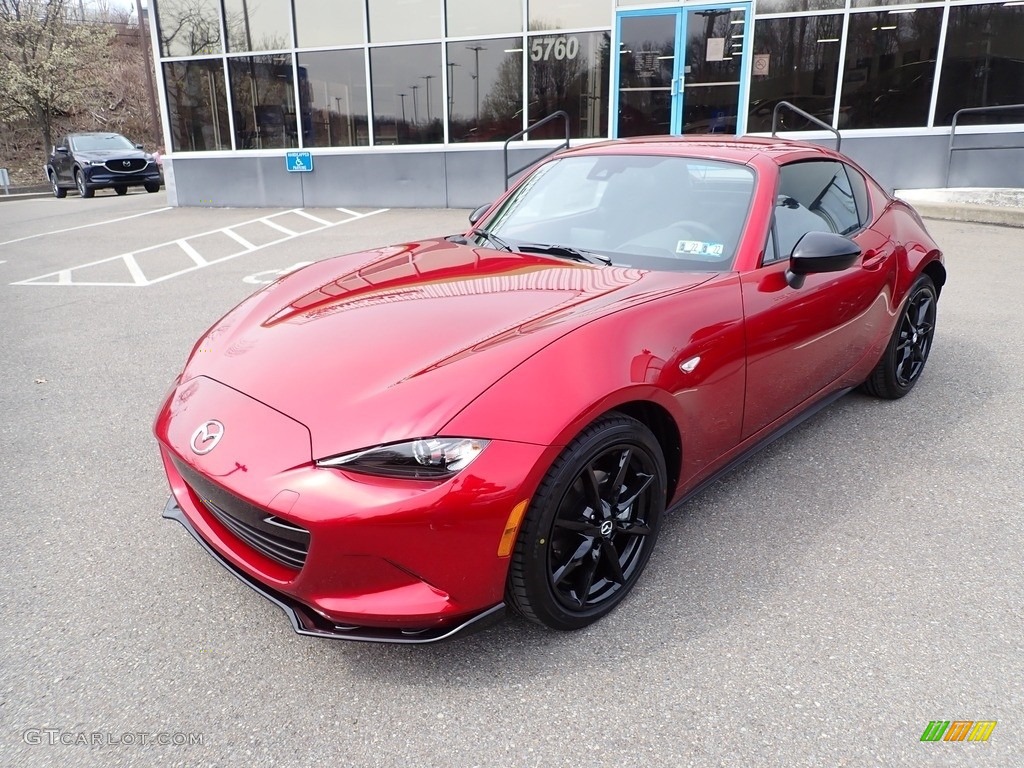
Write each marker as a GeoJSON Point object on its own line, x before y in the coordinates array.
{"type": "Point", "coordinates": [409, 102]}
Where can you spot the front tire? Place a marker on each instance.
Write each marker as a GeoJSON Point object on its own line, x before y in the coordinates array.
{"type": "Point", "coordinates": [907, 352]}
{"type": "Point", "coordinates": [58, 191]}
{"type": "Point", "coordinates": [591, 526]}
{"type": "Point", "coordinates": [83, 189]}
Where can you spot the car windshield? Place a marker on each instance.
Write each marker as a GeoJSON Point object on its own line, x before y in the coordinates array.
{"type": "Point", "coordinates": [646, 211]}
{"type": "Point", "coordinates": [110, 141]}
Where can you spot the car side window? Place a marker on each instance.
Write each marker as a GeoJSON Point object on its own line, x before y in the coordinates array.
{"type": "Point", "coordinates": [860, 195]}
{"type": "Point", "coordinates": [814, 196]}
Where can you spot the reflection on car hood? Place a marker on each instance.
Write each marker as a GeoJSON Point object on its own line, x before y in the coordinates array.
{"type": "Point", "coordinates": [390, 344]}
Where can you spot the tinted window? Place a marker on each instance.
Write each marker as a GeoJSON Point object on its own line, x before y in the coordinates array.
{"type": "Point", "coordinates": [197, 106]}
{"type": "Point", "coordinates": [189, 27]}
{"type": "Point", "coordinates": [263, 98]}
{"type": "Point", "coordinates": [332, 88]}
{"type": "Point", "coordinates": [569, 72]}
{"type": "Point", "coordinates": [890, 67]}
{"type": "Point", "coordinates": [406, 82]}
{"type": "Point", "coordinates": [983, 65]}
{"type": "Point", "coordinates": [802, 68]}
{"type": "Point", "coordinates": [813, 197]}
{"type": "Point", "coordinates": [860, 195]}
{"type": "Point", "coordinates": [258, 26]}
{"type": "Point", "coordinates": [485, 89]}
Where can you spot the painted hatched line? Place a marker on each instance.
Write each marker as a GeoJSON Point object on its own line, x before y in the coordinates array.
{"type": "Point", "coordinates": [64, 276]}
{"type": "Point", "coordinates": [281, 228]}
{"type": "Point", "coordinates": [311, 217]}
{"type": "Point", "coordinates": [239, 239]}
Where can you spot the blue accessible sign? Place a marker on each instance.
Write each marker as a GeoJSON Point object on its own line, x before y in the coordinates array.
{"type": "Point", "coordinates": [299, 162]}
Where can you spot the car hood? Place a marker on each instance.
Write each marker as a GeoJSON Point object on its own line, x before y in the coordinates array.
{"type": "Point", "coordinates": [109, 154]}
{"type": "Point", "coordinates": [391, 344]}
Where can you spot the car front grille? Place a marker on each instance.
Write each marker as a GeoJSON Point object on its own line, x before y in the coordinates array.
{"type": "Point", "coordinates": [129, 165]}
{"type": "Point", "coordinates": [280, 540]}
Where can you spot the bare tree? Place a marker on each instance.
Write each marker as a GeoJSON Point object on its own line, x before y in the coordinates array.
{"type": "Point", "coordinates": [49, 61]}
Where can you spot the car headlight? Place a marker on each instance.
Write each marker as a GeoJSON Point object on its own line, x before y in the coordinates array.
{"type": "Point", "coordinates": [425, 458]}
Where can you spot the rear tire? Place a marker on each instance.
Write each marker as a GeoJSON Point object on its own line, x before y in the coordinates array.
{"type": "Point", "coordinates": [907, 352]}
{"type": "Point", "coordinates": [121, 189]}
{"type": "Point", "coordinates": [591, 526]}
{"type": "Point", "coordinates": [152, 186]}
{"type": "Point", "coordinates": [83, 189]}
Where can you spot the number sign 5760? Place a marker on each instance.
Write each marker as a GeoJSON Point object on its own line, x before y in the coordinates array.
{"type": "Point", "coordinates": [557, 48]}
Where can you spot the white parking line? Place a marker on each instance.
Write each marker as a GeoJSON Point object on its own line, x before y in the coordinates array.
{"type": "Point", "coordinates": [311, 217]}
{"type": "Point", "coordinates": [138, 277]}
{"type": "Point", "coordinates": [278, 227]}
{"type": "Point", "coordinates": [84, 226]}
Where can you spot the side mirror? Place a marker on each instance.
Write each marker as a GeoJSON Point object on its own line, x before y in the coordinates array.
{"type": "Point", "coordinates": [476, 215]}
{"type": "Point", "coordinates": [138, 146]}
{"type": "Point", "coordinates": [818, 252]}
{"type": "Point", "coordinates": [61, 150]}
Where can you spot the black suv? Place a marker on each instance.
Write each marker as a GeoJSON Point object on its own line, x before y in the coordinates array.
{"type": "Point", "coordinates": [91, 161]}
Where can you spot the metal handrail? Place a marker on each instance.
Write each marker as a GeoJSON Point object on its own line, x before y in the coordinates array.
{"type": "Point", "coordinates": [975, 110]}
{"type": "Point", "coordinates": [543, 121]}
{"type": "Point", "coordinates": [806, 116]}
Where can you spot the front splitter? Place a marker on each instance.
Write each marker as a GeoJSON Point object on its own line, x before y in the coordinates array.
{"type": "Point", "coordinates": [306, 621]}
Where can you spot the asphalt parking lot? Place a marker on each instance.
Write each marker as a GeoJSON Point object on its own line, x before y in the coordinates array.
{"type": "Point", "coordinates": [856, 580]}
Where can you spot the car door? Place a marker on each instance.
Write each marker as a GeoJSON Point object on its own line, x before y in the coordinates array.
{"type": "Point", "coordinates": [802, 340]}
{"type": "Point", "coordinates": [62, 162]}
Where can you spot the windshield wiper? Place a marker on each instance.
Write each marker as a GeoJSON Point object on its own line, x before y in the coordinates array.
{"type": "Point", "coordinates": [566, 251]}
{"type": "Point", "coordinates": [490, 236]}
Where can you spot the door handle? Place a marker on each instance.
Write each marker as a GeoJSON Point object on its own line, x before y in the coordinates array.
{"type": "Point", "coordinates": [873, 259]}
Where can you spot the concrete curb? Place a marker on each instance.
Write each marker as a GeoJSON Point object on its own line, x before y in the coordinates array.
{"type": "Point", "coordinates": [24, 196]}
{"type": "Point", "coordinates": [967, 212]}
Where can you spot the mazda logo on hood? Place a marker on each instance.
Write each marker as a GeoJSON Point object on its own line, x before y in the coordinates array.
{"type": "Point", "coordinates": [206, 437]}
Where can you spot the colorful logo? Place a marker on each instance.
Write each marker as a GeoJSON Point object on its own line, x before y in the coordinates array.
{"type": "Point", "coordinates": [958, 730]}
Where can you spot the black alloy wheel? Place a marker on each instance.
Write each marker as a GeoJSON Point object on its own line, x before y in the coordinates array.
{"type": "Point", "coordinates": [591, 526]}
{"type": "Point", "coordinates": [905, 356]}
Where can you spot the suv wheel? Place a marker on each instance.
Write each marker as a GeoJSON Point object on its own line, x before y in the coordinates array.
{"type": "Point", "coordinates": [58, 192]}
{"type": "Point", "coordinates": [83, 189]}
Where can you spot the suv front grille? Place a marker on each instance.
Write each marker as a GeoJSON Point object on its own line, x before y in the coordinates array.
{"type": "Point", "coordinates": [128, 165]}
{"type": "Point", "coordinates": [280, 540]}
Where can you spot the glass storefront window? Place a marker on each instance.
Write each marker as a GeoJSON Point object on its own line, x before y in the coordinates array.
{"type": "Point", "coordinates": [798, 62]}
{"type": "Point", "coordinates": [406, 85]}
{"type": "Point", "coordinates": [189, 27]}
{"type": "Point", "coordinates": [569, 72]}
{"type": "Point", "coordinates": [393, 21]}
{"type": "Point", "coordinates": [494, 17]}
{"type": "Point", "coordinates": [485, 89]}
{"type": "Point", "coordinates": [983, 64]}
{"type": "Point", "coordinates": [321, 23]}
{"type": "Point", "coordinates": [258, 25]}
{"type": "Point", "coordinates": [890, 68]}
{"type": "Point", "coordinates": [568, 14]}
{"type": "Point", "coordinates": [797, 6]}
{"type": "Point", "coordinates": [197, 106]}
{"type": "Point", "coordinates": [332, 95]}
{"type": "Point", "coordinates": [263, 102]}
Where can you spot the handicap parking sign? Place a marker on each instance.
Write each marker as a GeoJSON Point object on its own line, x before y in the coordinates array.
{"type": "Point", "coordinates": [299, 162]}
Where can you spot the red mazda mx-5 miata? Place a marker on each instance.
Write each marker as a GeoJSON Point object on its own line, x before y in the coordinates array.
{"type": "Point", "coordinates": [397, 444]}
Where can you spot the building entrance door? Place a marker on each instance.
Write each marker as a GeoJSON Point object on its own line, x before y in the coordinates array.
{"type": "Point", "coordinates": [681, 70]}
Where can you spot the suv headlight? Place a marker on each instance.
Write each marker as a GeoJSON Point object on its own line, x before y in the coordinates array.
{"type": "Point", "coordinates": [425, 458]}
